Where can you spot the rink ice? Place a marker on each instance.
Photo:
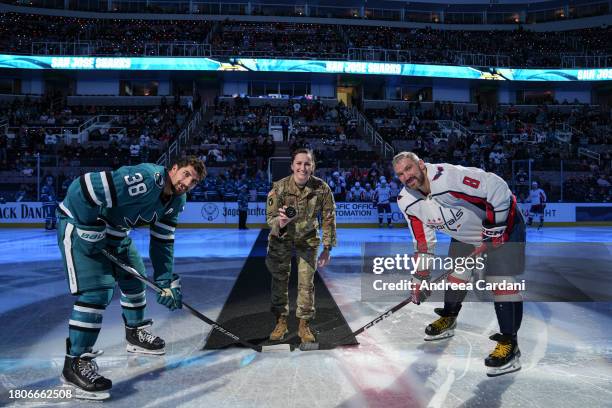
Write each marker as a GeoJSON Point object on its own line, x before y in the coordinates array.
{"type": "Point", "coordinates": [566, 347]}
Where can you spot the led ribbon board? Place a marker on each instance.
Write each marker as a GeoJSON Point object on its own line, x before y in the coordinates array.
{"type": "Point", "coordinates": [111, 63]}
{"type": "Point", "coordinates": [314, 66]}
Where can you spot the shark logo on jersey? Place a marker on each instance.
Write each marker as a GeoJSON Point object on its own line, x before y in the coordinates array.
{"type": "Point", "coordinates": [140, 221]}
{"type": "Point", "coordinates": [438, 174]}
{"type": "Point", "coordinates": [159, 180]}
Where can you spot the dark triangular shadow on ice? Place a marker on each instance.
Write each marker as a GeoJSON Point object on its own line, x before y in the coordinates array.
{"type": "Point", "coordinates": [246, 312]}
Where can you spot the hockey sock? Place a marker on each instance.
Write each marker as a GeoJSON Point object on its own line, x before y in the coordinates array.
{"type": "Point", "coordinates": [86, 320]}
{"type": "Point", "coordinates": [451, 308]}
{"type": "Point", "coordinates": [454, 297]}
{"type": "Point", "coordinates": [133, 306]}
{"type": "Point", "coordinates": [509, 317]}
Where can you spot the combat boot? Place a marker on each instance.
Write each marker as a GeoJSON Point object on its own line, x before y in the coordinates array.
{"type": "Point", "coordinates": [279, 332]}
{"type": "Point", "coordinates": [304, 332]}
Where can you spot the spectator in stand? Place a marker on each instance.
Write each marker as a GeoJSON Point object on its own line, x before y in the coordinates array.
{"type": "Point", "coordinates": [351, 195]}
{"type": "Point", "coordinates": [22, 194]}
{"type": "Point", "coordinates": [134, 153]}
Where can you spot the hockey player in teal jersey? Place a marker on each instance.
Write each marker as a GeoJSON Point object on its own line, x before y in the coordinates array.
{"type": "Point", "coordinates": [98, 212]}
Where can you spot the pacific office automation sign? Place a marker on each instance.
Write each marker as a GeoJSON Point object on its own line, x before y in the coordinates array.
{"type": "Point", "coordinates": [348, 213]}
{"type": "Point", "coordinates": [227, 213]}
{"type": "Point", "coordinates": [291, 65]}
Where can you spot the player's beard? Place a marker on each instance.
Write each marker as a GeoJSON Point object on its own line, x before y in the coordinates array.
{"type": "Point", "coordinates": [420, 179]}
{"type": "Point", "coordinates": [176, 189]}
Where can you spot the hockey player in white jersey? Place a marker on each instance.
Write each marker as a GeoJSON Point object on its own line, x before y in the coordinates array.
{"type": "Point", "coordinates": [537, 198]}
{"type": "Point", "coordinates": [479, 212]}
{"type": "Point", "coordinates": [382, 194]}
{"type": "Point", "coordinates": [359, 192]}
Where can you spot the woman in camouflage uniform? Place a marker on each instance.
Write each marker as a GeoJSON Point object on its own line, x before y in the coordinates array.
{"type": "Point", "coordinates": [309, 196]}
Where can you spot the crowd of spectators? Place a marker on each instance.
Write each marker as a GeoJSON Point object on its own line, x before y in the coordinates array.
{"type": "Point", "coordinates": [492, 137]}
{"type": "Point", "coordinates": [279, 39]}
{"type": "Point", "coordinates": [358, 184]}
{"type": "Point", "coordinates": [239, 131]}
{"type": "Point", "coordinates": [36, 128]}
{"type": "Point", "coordinates": [39, 131]}
{"type": "Point", "coordinates": [524, 48]}
{"type": "Point", "coordinates": [234, 141]}
{"type": "Point", "coordinates": [103, 36]}
{"type": "Point", "coordinates": [225, 184]}
{"type": "Point", "coordinates": [593, 188]}
{"type": "Point", "coordinates": [517, 48]}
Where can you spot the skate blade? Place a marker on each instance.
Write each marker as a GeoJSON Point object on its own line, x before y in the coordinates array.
{"type": "Point", "coordinates": [511, 367]}
{"type": "Point", "coordinates": [80, 393]}
{"type": "Point", "coordinates": [130, 348]}
{"type": "Point", "coordinates": [447, 334]}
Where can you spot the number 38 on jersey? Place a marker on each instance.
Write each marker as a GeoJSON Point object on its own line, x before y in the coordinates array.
{"type": "Point", "coordinates": [135, 184]}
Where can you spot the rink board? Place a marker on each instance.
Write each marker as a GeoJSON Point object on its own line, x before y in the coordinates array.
{"type": "Point", "coordinates": [348, 214]}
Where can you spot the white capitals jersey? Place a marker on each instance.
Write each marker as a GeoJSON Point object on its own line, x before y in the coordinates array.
{"type": "Point", "coordinates": [537, 196]}
{"type": "Point", "coordinates": [461, 199]}
{"type": "Point", "coordinates": [382, 194]}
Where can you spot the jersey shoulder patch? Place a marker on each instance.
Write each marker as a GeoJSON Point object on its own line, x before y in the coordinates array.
{"type": "Point", "coordinates": [160, 180]}
{"type": "Point", "coordinates": [439, 171]}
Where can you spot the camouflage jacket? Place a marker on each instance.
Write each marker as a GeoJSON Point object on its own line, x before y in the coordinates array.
{"type": "Point", "coordinates": [313, 199]}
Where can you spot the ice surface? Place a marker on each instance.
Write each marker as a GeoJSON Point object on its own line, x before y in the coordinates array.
{"type": "Point", "coordinates": [566, 347]}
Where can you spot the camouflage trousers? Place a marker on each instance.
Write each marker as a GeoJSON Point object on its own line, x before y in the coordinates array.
{"type": "Point", "coordinates": [278, 261]}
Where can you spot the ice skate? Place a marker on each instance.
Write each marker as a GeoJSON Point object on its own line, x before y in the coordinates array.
{"type": "Point", "coordinates": [81, 374]}
{"type": "Point", "coordinates": [505, 358]}
{"type": "Point", "coordinates": [139, 340]}
{"type": "Point", "coordinates": [442, 328]}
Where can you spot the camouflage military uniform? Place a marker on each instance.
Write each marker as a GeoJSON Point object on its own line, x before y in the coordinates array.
{"type": "Point", "coordinates": [302, 234]}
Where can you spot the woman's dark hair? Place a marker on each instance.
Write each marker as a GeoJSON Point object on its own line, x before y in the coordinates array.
{"type": "Point", "coordinates": [302, 150]}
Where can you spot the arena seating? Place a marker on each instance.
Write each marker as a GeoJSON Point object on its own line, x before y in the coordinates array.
{"type": "Point", "coordinates": [54, 35]}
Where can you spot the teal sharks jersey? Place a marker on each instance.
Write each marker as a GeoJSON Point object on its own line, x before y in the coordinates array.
{"type": "Point", "coordinates": [126, 198]}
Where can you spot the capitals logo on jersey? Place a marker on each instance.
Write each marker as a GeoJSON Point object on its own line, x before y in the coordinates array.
{"type": "Point", "coordinates": [438, 173]}
{"type": "Point", "coordinates": [449, 219]}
